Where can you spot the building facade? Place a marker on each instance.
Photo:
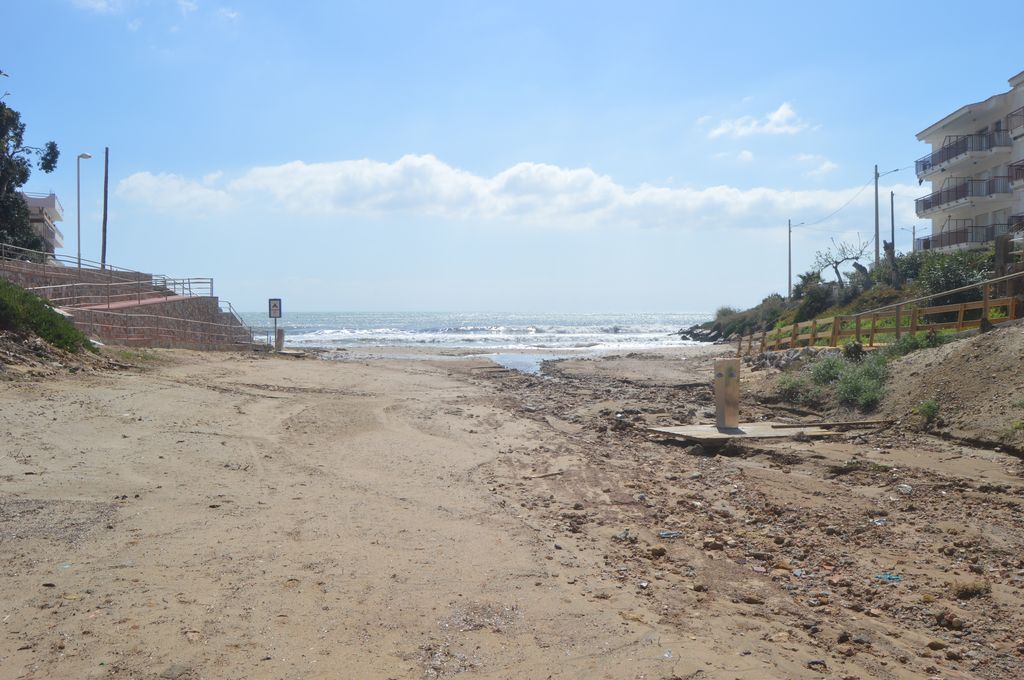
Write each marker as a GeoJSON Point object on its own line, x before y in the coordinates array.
{"type": "Point", "coordinates": [44, 212]}
{"type": "Point", "coordinates": [976, 172]}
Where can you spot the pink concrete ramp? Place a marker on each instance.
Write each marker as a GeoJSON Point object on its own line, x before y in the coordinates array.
{"type": "Point", "coordinates": [124, 304]}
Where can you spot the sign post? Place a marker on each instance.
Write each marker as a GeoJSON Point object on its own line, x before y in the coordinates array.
{"type": "Point", "coordinates": [274, 306]}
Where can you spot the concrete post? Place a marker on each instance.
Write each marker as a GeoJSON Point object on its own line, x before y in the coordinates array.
{"type": "Point", "coordinates": [727, 393]}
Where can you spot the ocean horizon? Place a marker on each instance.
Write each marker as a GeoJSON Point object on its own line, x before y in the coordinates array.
{"type": "Point", "coordinates": [482, 330]}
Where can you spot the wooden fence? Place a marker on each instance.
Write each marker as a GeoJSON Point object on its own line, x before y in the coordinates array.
{"type": "Point", "coordinates": [890, 322]}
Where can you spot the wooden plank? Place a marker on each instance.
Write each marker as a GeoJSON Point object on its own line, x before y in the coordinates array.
{"type": "Point", "coordinates": [913, 320]}
{"type": "Point", "coordinates": [814, 333]}
{"type": "Point", "coordinates": [871, 339]}
{"type": "Point", "coordinates": [960, 317]}
{"type": "Point", "coordinates": [899, 322]}
{"type": "Point", "coordinates": [712, 434]}
{"type": "Point", "coordinates": [846, 423]}
{"type": "Point", "coordinates": [984, 301]}
{"type": "Point", "coordinates": [858, 328]}
{"type": "Point", "coordinates": [727, 392]}
{"type": "Point", "coordinates": [834, 339]}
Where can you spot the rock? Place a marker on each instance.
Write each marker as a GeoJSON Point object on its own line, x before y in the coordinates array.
{"type": "Point", "coordinates": [953, 655]}
{"type": "Point", "coordinates": [713, 544]}
{"type": "Point", "coordinates": [657, 552]}
{"type": "Point", "coordinates": [904, 489]}
{"type": "Point", "coordinates": [174, 671]}
{"type": "Point", "coordinates": [750, 599]}
{"type": "Point", "coordinates": [936, 645]}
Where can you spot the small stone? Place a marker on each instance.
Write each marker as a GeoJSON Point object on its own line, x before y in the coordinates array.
{"type": "Point", "coordinates": [936, 645]}
{"type": "Point", "coordinates": [174, 671]}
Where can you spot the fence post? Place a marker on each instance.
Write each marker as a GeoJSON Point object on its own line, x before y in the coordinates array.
{"type": "Point", "coordinates": [833, 341]}
{"type": "Point", "coordinates": [913, 321]}
{"type": "Point", "coordinates": [960, 317]}
{"type": "Point", "coordinates": [764, 340]}
{"type": "Point", "coordinates": [739, 350]}
{"type": "Point", "coordinates": [871, 338]}
{"type": "Point", "coordinates": [857, 321]}
{"type": "Point", "coordinates": [984, 303]}
{"type": "Point", "coordinates": [814, 333]}
{"type": "Point", "coordinates": [899, 321]}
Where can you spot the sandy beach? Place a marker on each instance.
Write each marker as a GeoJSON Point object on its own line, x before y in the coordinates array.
{"type": "Point", "coordinates": [236, 516]}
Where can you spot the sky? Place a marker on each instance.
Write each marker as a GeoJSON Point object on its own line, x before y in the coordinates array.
{"type": "Point", "coordinates": [501, 156]}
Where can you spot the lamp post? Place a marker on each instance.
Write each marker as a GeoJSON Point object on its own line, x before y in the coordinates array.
{"type": "Point", "coordinates": [78, 205]}
{"type": "Point", "coordinates": [789, 293]}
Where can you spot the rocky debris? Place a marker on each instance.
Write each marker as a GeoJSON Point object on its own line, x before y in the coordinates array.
{"type": "Point", "coordinates": [857, 547]}
{"type": "Point", "coordinates": [783, 359]}
{"type": "Point", "coordinates": [699, 334]}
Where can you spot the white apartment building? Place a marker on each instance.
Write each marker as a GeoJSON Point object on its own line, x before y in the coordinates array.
{"type": "Point", "coordinates": [44, 211]}
{"type": "Point", "coordinates": [976, 172]}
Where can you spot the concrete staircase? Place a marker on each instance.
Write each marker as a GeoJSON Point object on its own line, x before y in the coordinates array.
{"type": "Point", "coordinates": [125, 307]}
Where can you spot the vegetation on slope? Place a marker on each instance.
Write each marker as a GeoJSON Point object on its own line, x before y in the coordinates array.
{"type": "Point", "coordinates": [22, 312]}
{"type": "Point", "coordinates": [919, 274]}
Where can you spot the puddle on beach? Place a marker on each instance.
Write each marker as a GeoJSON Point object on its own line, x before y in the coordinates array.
{"type": "Point", "coordinates": [525, 363]}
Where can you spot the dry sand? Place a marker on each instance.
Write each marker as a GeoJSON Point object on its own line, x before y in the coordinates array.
{"type": "Point", "coordinates": [227, 516]}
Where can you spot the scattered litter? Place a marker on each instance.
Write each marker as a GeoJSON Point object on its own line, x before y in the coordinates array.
{"type": "Point", "coordinates": [904, 489]}
{"type": "Point", "coordinates": [889, 577]}
{"type": "Point", "coordinates": [670, 534]}
{"type": "Point", "coordinates": [799, 572]}
{"type": "Point", "coordinates": [880, 522]}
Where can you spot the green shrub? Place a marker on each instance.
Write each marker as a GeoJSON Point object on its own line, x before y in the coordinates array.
{"type": "Point", "coordinates": [911, 342]}
{"type": "Point", "coordinates": [946, 271]}
{"type": "Point", "coordinates": [826, 371]}
{"type": "Point", "coordinates": [927, 409]}
{"type": "Point", "coordinates": [723, 312]}
{"type": "Point", "coordinates": [853, 351]}
{"type": "Point", "coordinates": [863, 384]}
{"type": "Point", "coordinates": [23, 312]}
{"type": "Point", "coordinates": [795, 389]}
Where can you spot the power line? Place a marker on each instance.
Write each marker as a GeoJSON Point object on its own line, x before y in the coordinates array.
{"type": "Point", "coordinates": [808, 225]}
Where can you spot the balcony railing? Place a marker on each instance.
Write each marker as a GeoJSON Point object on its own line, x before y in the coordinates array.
{"type": "Point", "coordinates": [1016, 222]}
{"type": "Point", "coordinates": [960, 188]}
{"type": "Point", "coordinates": [1016, 171]}
{"type": "Point", "coordinates": [955, 237]}
{"type": "Point", "coordinates": [958, 145]}
{"type": "Point", "coordinates": [1015, 119]}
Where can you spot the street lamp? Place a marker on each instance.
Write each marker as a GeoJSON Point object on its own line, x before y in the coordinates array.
{"type": "Point", "coordinates": [78, 209]}
{"type": "Point", "coordinates": [789, 295]}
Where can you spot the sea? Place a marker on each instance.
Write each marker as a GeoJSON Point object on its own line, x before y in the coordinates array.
{"type": "Point", "coordinates": [481, 331]}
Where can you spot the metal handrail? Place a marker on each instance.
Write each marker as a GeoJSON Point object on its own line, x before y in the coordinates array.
{"type": "Point", "coordinates": [967, 234]}
{"type": "Point", "coordinates": [1015, 119]}
{"type": "Point", "coordinates": [958, 145]}
{"type": "Point", "coordinates": [959, 188]}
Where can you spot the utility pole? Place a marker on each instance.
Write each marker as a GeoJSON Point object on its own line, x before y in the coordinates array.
{"type": "Point", "coordinates": [892, 243]}
{"type": "Point", "coordinates": [106, 177]}
{"type": "Point", "coordinates": [876, 216]}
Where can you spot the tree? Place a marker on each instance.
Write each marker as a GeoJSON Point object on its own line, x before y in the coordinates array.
{"type": "Point", "coordinates": [838, 255]}
{"type": "Point", "coordinates": [15, 169]}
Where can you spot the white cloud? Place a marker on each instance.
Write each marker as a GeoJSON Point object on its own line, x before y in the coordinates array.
{"type": "Point", "coordinates": [187, 6]}
{"type": "Point", "coordinates": [134, 24]}
{"type": "Point", "coordinates": [745, 156]}
{"type": "Point", "coordinates": [100, 6]}
{"type": "Point", "coordinates": [826, 167]}
{"type": "Point", "coordinates": [527, 193]}
{"type": "Point", "coordinates": [172, 193]}
{"type": "Point", "coordinates": [228, 13]}
{"type": "Point", "coordinates": [781, 121]}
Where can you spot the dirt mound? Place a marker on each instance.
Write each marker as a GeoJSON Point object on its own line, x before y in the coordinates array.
{"type": "Point", "coordinates": [26, 355]}
{"type": "Point", "coordinates": [976, 382]}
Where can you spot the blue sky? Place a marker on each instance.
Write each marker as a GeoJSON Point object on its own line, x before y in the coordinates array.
{"type": "Point", "coordinates": [526, 156]}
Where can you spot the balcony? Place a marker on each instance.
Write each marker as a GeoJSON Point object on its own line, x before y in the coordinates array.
{"type": "Point", "coordinates": [46, 203]}
{"type": "Point", "coordinates": [1016, 172]}
{"type": "Point", "coordinates": [958, 147]}
{"type": "Point", "coordinates": [958, 189]}
{"type": "Point", "coordinates": [961, 234]}
{"type": "Point", "coordinates": [1015, 119]}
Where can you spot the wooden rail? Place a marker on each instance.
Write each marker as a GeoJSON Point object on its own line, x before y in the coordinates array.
{"type": "Point", "coordinates": [891, 320]}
